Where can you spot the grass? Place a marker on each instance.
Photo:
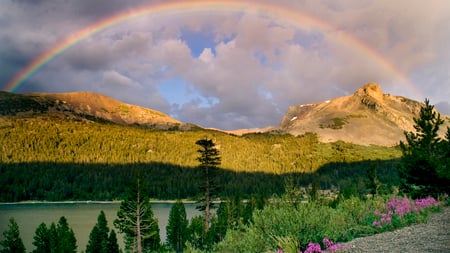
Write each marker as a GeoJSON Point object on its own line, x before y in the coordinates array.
{"type": "Point", "coordinates": [284, 226]}
{"type": "Point", "coordinates": [123, 109]}
{"type": "Point", "coordinates": [338, 123]}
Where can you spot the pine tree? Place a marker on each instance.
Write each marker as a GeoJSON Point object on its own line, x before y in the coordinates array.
{"type": "Point", "coordinates": [209, 160]}
{"type": "Point", "coordinates": [53, 237]}
{"type": "Point", "coordinates": [135, 220]}
{"type": "Point", "coordinates": [223, 218]}
{"type": "Point", "coordinates": [112, 246]}
{"type": "Point", "coordinates": [66, 241]}
{"type": "Point", "coordinates": [98, 238]}
{"type": "Point", "coordinates": [177, 227]}
{"type": "Point", "coordinates": [418, 169]}
{"type": "Point", "coordinates": [42, 239]}
{"type": "Point", "coordinates": [12, 242]}
{"type": "Point", "coordinates": [197, 234]}
{"type": "Point", "coordinates": [444, 162]}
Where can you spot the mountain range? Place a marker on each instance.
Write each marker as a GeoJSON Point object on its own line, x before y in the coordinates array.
{"type": "Point", "coordinates": [367, 117]}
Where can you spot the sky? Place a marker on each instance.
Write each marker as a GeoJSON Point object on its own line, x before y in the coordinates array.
{"type": "Point", "coordinates": [228, 64]}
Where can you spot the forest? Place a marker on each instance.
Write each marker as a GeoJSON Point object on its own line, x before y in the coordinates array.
{"type": "Point", "coordinates": [51, 158]}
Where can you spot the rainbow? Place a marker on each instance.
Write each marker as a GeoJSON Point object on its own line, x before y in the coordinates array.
{"type": "Point", "coordinates": [284, 14]}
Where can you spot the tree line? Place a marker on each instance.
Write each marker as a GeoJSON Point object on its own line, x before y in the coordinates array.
{"type": "Point", "coordinates": [66, 181]}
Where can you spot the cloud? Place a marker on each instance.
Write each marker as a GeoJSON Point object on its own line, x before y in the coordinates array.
{"type": "Point", "coordinates": [249, 67]}
{"type": "Point", "coordinates": [443, 107]}
{"type": "Point", "coordinates": [117, 80]}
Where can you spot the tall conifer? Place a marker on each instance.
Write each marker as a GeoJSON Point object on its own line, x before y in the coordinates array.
{"type": "Point", "coordinates": [66, 241]}
{"type": "Point", "coordinates": [42, 239]}
{"type": "Point", "coordinates": [421, 155]}
{"type": "Point", "coordinates": [209, 159]}
{"type": "Point", "coordinates": [12, 242]}
{"type": "Point", "coordinates": [177, 227]}
{"type": "Point", "coordinates": [135, 220]}
{"type": "Point", "coordinates": [99, 242]}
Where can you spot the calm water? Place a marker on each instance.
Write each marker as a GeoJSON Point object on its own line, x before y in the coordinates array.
{"type": "Point", "coordinates": [80, 216]}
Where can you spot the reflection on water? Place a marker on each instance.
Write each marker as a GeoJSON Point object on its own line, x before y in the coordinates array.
{"type": "Point", "coordinates": [80, 216]}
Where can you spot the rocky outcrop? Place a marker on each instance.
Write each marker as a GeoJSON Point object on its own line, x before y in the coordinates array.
{"type": "Point", "coordinates": [371, 96]}
{"type": "Point", "coordinates": [366, 117]}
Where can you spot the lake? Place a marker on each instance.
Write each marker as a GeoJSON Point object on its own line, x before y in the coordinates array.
{"type": "Point", "coordinates": [81, 217]}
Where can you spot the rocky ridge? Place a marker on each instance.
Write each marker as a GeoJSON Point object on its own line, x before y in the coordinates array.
{"type": "Point", "coordinates": [84, 106]}
{"type": "Point", "coordinates": [366, 117]}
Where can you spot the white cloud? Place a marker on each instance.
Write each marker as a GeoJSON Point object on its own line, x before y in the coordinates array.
{"type": "Point", "coordinates": [206, 56]}
{"type": "Point", "coordinates": [116, 80]}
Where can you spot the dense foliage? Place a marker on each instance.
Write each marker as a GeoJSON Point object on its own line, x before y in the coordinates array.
{"type": "Point", "coordinates": [100, 239]}
{"type": "Point", "coordinates": [424, 169]}
{"type": "Point", "coordinates": [52, 158]}
{"type": "Point", "coordinates": [291, 227]}
{"type": "Point", "coordinates": [56, 238]}
{"type": "Point", "coordinates": [53, 139]}
{"type": "Point", "coordinates": [69, 181]}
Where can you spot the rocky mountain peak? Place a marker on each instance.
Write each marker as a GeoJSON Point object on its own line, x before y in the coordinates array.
{"type": "Point", "coordinates": [366, 117]}
{"type": "Point", "coordinates": [371, 95]}
{"type": "Point", "coordinates": [370, 89]}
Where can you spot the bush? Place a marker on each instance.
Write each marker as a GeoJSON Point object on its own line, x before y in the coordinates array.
{"type": "Point", "coordinates": [289, 226]}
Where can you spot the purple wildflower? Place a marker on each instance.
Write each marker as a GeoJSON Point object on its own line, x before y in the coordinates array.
{"type": "Point", "coordinates": [400, 207]}
{"type": "Point", "coordinates": [331, 246]}
{"type": "Point", "coordinates": [313, 247]}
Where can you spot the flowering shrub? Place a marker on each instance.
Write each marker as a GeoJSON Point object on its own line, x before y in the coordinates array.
{"type": "Point", "coordinates": [333, 247]}
{"type": "Point", "coordinates": [313, 247]}
{"type": "Point", "coordinates": [425, 203]}
{"type": "Point", "coordinates": [330, 246]}
{"type": "Point", "coordinates": [287, 228]}
{"type": "Point", "coordinates": [403, 211]}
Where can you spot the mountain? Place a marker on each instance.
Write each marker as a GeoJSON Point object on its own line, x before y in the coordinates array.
{"type": "Point", "coordinates": [366, 117]}
{"type": "Point", "coordinates": [85, 106]}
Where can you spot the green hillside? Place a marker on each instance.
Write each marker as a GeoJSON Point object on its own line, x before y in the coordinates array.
{"type": "Point", "coordinates": [52, 139]}
{"type": "Point", "coordinates": [74, 152]}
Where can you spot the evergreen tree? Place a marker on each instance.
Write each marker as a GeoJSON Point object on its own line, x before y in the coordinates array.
{"type": "Point", "coordinates": [12, 243]}
{"type": "Point", "coordinates": [177, 227]}
{"type": "Point", "coordinates": [66, 241]}
{"type": "Point", "coordinates": [223, 218]}
{"type": "Point", "coordinates": [113, 246]}
{"type": "Point", "coordinates": [53, 237]}
{"type": "Point", "coordinates": [209, 160]}
{"type": "Point", "coordinates": [98, 238]}
{"type": "Point", "coordinates": [42, 239]}
{"type": "Point", "coordinates": [197, 234]}
{"type": "Point", "coordinates": [444, 162]}
{"type": "Point", "coordinates": [58, 238]}
{"type": "Point", "coordinates": [418, 169]}
{"type": "Point", "coordinates": [135, 220]}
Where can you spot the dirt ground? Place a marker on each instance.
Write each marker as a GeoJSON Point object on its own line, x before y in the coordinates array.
{"type": "Point", "coordinates": [433, 236]}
